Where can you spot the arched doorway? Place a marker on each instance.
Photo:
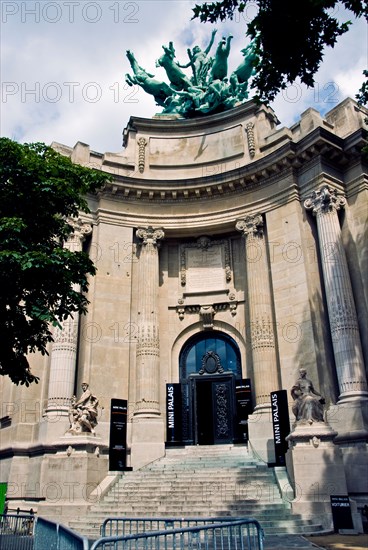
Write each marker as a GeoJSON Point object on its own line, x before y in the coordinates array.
{"type": "Point", "coordinates": [210, 367]}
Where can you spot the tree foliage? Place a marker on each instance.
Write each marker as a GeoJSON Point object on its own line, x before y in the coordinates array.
{"type": "Point", "coordinates": [290, 36]}
{"type": "Point", "coordinates": [39, 190]}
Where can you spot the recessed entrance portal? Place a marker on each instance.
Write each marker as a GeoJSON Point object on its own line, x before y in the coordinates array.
{"type": "Point", "coordinates": [213, 409]}
{"type": "Point", "coordinates": [210, 370]}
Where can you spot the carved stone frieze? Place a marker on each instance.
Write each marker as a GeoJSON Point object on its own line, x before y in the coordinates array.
{"type": "Point", "coordinates": [148, 341]}
{"type": "Point", "coordinates": [206, 312]}
{"type": "Point", "coordinates": [262, 333]}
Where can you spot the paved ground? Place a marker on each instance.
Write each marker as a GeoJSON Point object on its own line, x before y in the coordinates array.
{"type": "Point", "coordinates": [341, 542]}
{"type": "Point", "coordinates": [328, 542]}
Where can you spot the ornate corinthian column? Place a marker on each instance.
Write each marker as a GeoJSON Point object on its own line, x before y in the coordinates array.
{"type": "Point", "coordinates": [64, 348]}
{"type": "Point", "coordinates": [324, 204]}
{"type": "Point", "coordinates": [260, 310]}
{"type": "Point", "coordinates": [148, 348]}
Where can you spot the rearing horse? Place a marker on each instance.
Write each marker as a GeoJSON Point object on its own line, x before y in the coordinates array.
{"type": "Point", "coordinates": [178, 80]}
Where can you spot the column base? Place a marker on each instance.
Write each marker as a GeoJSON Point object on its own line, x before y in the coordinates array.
{"type": "Point", "coordinates": [350, 420]}
{"type": "Point", "coordinates": [349, 417]}
{"type": "Point", "coordinates": [147, 441]}
{"type": "Point", "coordinates": [261, 433]}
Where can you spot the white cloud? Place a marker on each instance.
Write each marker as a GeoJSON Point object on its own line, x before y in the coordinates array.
{"type": "Point", "coordinates": [63, 66]}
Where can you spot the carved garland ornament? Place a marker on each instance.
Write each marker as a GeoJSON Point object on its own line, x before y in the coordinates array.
{"type": "Point", "coordinates": [142, 144]}
{"type": "Point", "coordinates": [250, 135]}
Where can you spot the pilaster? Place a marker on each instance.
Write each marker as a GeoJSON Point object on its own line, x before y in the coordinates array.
{"type": "Point", "coordinates": [350, 415]}
{"type": "Point", "coordinates": [148, 429]}
{"type": "Point", "coordinates": [263, 341]}
{"type": "Point", "coordinates": [65, 346]}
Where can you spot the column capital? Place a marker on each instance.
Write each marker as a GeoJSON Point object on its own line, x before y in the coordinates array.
{"type": "Point", "coordinates": [149, 235]}
{"type": "Point", "coordinates": [326, 199]}
{"type": "Point", "coordinates": [251, 225]}
{"type": "Point", "coordinates": [80, 231]}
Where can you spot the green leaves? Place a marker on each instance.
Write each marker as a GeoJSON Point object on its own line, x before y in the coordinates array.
{"type": "Point", "coordinates": [39, 278]}
{"type": "Point", "coordinates": [290, 37]}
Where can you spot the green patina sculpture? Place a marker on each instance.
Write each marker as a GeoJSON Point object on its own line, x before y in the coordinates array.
{"type": "Point", "coordinates": [208, 90]}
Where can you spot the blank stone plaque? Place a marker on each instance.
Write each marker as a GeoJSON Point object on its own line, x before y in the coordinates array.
{"type": "Point", "coordinates": [205, 269]}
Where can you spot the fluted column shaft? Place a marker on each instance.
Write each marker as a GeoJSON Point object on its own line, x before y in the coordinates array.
{"type": "Point", "coordinates": [65, 346]}
{"type": "Point", "coordinates": [260, 310]}
{"type": "Point", "coordinates": [148, 345]}
{"type": "Point", "coordinates": [347, 349]}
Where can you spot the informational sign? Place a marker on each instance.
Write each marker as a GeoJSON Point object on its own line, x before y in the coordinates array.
{"type": "Point", "coordinates": [173, 414]}
{"type": "Point", "coordinates": [243, 396]}
{"type": "Point", "coordinates": [341, 512]}
{"type": "Point", "coordinates": [118, 431]}
{"type": "Point", "coordinates": [3, 489]}
{"type": "Point", "coordinates": [281, 424]}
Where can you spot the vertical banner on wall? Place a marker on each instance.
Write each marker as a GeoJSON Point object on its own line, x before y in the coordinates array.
{"type": "Point", "coordinates": [118, 432]}
{"type": "Point", "coordinates": [243, 396]}
{"type": "Point", "coordinates": [3, 489]}
{"type": "Point", "coordinates": [173, 414]}
{"type": "Point", "coordinates": [281, 424]}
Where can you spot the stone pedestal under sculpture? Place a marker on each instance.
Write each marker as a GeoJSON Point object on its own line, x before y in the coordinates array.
{"type": "Point", "coordinates": [314, 461]}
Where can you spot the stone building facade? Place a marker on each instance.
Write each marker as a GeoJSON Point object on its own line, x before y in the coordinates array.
{"type": "Point", "coordinates": [226, 248]}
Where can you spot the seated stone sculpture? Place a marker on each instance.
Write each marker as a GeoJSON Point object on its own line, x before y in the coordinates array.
{"type": "Point", "coordinates": [308, 403]}
{"type": "Point", "coordinates": [83, 413]}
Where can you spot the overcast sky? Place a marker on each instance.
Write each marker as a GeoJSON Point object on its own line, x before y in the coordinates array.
{"type": "Point", "coordinates": [63, 65]}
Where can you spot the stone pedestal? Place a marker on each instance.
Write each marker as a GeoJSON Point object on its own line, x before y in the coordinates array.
{"type": "Point", "coordinates": [74, 472]}
{"type": "Point", "coordinates": [148, 436]}
{"type": "Point", "coordinates": [350, 419]}
{"type": "Point", "coordinates": [318, 470]}
{"type": "Point", "coordinates": [261, 434]}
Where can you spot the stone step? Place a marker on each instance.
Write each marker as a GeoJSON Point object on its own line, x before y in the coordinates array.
{"type": "Point", "coordinates": [99, 516]}
{"type": "Point", "coordinates": [92, 530]}
{"type": "Point", "coordinates": [206, 481]}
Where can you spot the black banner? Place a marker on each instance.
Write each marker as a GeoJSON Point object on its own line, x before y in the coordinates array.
{"type": "Point", "coordinates": [243, 396]}
{"type": "Point", "coordinates": [173, 414]}
{"type": "Point", "coordinates": [341, 512]}
{"type": "Point", "coordinates": [118, 431]}
{"type": "Point", "coordinates": [281, 424]}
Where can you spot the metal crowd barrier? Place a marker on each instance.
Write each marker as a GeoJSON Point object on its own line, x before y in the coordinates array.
{"type": "Point", "coordinates": [113, 527]}
{"type": "Point", "coordinates": [55, 536]}
{"type": "Point", "coordinates": [16, 531]}
{"type": "Point", "coordinates": [235, 534]}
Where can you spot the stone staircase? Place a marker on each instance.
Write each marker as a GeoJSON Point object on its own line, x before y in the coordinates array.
{"type": "Point", "coordinates": [199, 481]}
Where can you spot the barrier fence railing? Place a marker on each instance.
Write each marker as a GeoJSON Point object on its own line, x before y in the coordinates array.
{"type": "Point", "coordinates": [239, 534]}
{"type": "Point", "coordinates": [115, 526]}
{"type": "Point", "coordinates": [24, 532]}
{"type": "Point", "coordinates": [16, 531]}
{"type": "Point", "coordinates": [55, 536]}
